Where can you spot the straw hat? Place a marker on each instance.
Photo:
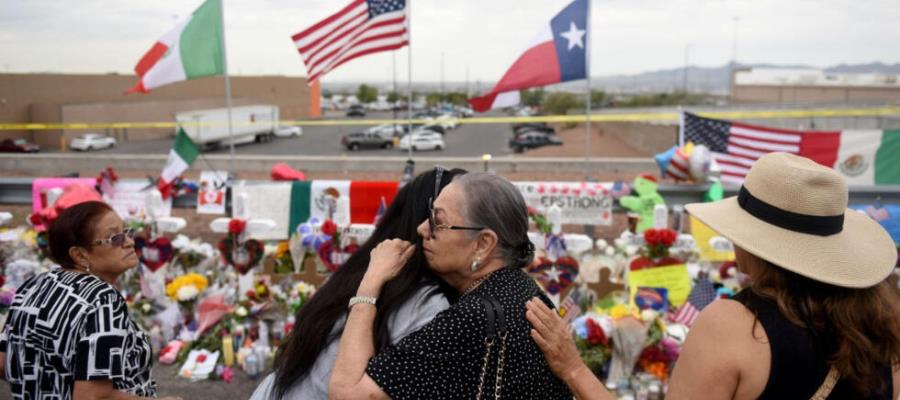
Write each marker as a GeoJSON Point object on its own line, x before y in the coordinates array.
{"type": "Point", "coordinates": [793, 212]}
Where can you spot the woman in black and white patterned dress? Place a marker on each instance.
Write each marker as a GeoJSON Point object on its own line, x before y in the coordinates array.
{"type": "Point", "coordinates": [480, 348]}
{"type": "Point", "coordinates": [68, 333]}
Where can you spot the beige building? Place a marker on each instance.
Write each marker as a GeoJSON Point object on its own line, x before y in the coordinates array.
{"type": "Point", "coordinates": [64, 98]}
{"type": "Point", "coordinates": [812, 86]}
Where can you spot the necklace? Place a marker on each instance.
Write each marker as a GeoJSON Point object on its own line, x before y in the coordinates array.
{"type": "Point", "coordinates": [475, 284]}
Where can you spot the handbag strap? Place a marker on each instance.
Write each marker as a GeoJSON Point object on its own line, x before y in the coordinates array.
{"type": "Point", "coordinates": [828, 385]}
{"type": "Point", "coordinates": [495, 328]}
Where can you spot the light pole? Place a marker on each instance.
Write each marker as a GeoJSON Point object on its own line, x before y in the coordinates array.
{"type": "Point", "coordinates": [735, 19]}
{"type": "Point", "coordinates": [687, 51]}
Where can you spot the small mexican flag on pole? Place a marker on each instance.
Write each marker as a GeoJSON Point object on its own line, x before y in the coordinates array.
{"type": "Point", "coordinates": [193, 49]}
{"type": "Point", "coordinates": [180, 158]}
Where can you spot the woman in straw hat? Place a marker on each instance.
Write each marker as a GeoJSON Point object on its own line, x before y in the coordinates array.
{"type": "Point", "coordinates": [821, 318]}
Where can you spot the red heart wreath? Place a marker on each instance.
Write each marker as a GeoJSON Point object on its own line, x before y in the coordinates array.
{"type": "Point", "coordinates": [327, 250]}
{"type": "Point", "coordinates": [566, 267]}
{"type": "Point", "coordinates": [242, 261]}
{"type": "Point", "coordinates": [154, 254]}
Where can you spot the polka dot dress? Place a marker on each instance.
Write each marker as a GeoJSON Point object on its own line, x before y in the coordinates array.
{"type": "Point", "coordinates": [443, 360]}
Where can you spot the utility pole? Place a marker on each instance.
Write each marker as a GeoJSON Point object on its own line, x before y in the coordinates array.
{"type": "Point", "coordinates": [684, 83]}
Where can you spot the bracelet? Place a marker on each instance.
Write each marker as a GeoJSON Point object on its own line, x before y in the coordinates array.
{"type": "Point", "coordinates": [361, 299]}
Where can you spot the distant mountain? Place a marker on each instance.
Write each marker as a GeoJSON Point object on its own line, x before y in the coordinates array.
{"type": "Point", "coordinates": [713, 80]}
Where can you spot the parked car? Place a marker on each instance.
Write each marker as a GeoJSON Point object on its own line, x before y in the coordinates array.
{"type": "Point", "coordinates": [532, 140]}
{"type": "Point", "coordinates": [371, 140]}
{"type": "Point", "coordinates": [434, 128]}
{"type": "Point", "coordinates": [92, 141]}
{"type": "Point", "coordinates": [422, 140]}
{"type": "Point", "coordinates": [289, 131]}
{"type": "Point", "coordinates": [356, 110]}
{"type": "Point", "coordinates": [533, 126]}
{"type": "Point", "coordinates": [18, 146]}
{"type": "Point", "coordinates": [388, 130]}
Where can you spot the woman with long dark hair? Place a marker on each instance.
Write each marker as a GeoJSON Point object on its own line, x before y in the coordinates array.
{"type": "Point", "coordinates": [303, 365]}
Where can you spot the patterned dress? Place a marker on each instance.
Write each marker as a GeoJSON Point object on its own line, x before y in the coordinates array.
{"type": "Point", "coordinates": [445, 359]}
{"type": "Point", "coordinates": [65, 326]}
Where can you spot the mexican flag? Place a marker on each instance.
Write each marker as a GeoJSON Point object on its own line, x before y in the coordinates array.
{"type": "Point", "coordinates": [361, 199]}
{"type": "Point", "coordinates": [180, 158]}
{"type": "Point", "coordinates": [863, 157]}
{"type": "Point", "coordinates": [193, 49]}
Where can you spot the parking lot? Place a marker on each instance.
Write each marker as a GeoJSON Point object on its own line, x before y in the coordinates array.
{"type": "Point", "coordinates": [467, 140]}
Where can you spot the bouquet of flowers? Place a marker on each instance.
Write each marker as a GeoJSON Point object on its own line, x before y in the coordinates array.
{"type": "Point", "coordinates": [185, 290]}
{"type": "Point", "coordinates": [299, 296]}
{"type": "Point", "coordinates": [655, 251]}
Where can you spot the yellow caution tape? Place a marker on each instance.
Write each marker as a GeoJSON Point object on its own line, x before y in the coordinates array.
{"type": "Point", "coordinates": [611, 117]}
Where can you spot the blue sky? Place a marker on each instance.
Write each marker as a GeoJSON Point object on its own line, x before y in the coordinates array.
{"type": "Point", "coordinates": [480, 38]}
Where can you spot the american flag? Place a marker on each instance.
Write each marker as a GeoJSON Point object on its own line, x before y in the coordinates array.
{"type": "Point", "coordinates": [736, 146]}
{"type": "Point", "coordinates": [362, 27]}
{"type": "Point", "coordinates": [570, 308]}
{"type": "Point", "coordinates": [701, 295]}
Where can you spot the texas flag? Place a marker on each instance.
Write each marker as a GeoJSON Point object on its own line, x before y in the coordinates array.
{"type": "Point", "coordinates": [556, 54]}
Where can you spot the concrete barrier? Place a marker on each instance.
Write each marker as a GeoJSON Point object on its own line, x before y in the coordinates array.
{"type": "Point", "coordinates": [42, 164]}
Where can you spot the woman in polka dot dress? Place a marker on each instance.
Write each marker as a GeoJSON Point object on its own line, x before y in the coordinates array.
{"type": "Point", "coordinates": [480, 348]}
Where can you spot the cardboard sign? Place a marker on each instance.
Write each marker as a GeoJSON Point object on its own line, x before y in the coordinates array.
{"type": "Point", "coordinates": [712, 246]}
{"type": "Point", "coordinates": [674, 278]}
{"type": "Point", "coordinates": [211, 192]}
{"type": "Point", "coordinates": [580, 202]}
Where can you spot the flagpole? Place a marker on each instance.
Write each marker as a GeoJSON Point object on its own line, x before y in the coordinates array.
{"type": "Point", "coordinates": [680, 127]}
{"type": "Point", "coordinates": [409, 99]}
{"type": "Point", "coordinates": [587, 115]}
{"type": "Point", "coordinates": [227, 88]}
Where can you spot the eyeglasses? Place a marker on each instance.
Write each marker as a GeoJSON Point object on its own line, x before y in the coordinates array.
{"type": "Point", "coordinates": [434, 227]}
{"type": "Point", "coordinates": [118, 239]}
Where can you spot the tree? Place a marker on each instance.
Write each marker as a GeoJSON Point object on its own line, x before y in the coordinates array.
{"type": "Point", "coordinates": [366, 94]}
{"type": "Point", "coordinates": [532, 98]}
{"type": "Point", "coordinates": [456, 98]}
{"type": "Point", "coordinates": [598, 98]}
{"type": "Point", "coordinates": [327, 94]}
{"type": "Point", "coordinates": [559, 103]}
{"type": "Point", "coordinates": [432, 99]}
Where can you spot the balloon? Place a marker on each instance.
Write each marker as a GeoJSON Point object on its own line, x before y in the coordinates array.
{"type": "Point", "coordinates": [699, 163]}
{"type": "Point", "coordinates": [715, 192]}
{"type": "Point", "coordinates": [663, 159]}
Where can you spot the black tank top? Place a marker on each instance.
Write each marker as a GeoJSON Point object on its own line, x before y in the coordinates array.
{"type": "Point", "coordinates": [799, 360]}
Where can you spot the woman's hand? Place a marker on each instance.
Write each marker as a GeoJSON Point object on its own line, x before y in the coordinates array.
{"type": "Point", "coordinates": [386, 260]}
{"type": "Point", "coordinates": [553, 338]}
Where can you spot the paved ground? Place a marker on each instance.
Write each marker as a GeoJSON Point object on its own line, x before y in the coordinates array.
{"type": "Point", "coordinates": [465, 141]}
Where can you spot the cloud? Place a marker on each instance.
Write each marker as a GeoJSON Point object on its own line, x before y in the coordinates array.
{"type": "Point", "coordinates": [478, 38]}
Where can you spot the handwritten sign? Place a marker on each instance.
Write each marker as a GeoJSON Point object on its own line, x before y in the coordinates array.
{"type": "Point", "coordinates": [674, 278]}
{"type": "Point", "coordinates": [584, 203]}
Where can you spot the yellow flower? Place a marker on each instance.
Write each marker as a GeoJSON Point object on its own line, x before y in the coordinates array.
{"type": "Point", "coordinates": [283, 248]}
{"type": "Point", "coordinates": [621, 311]}
{"type": "Point", "coordinates": [196, 280]}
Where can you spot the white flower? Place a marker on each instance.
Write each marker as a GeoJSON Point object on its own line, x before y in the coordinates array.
{"type": "Point", "coordinates": [304, 288]}
{"type": "Point", "coordinates": [187, 292]}
{"type": "Point", "coordinates": [241, 311]}
{"type": "Point", "coordinates": [602, 244]}
{"type": "Point", "coordinates": [146, 307]}
{"type": "Point", "coordinates": [619, 242]}
{"type": "Point", "coordinates": [610, 251]}
{"type": "Point", "coordinates": [631, 250]}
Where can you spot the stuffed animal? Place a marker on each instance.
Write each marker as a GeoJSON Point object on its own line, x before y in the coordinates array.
{"type": "Point", "coordinates": [646, 200]}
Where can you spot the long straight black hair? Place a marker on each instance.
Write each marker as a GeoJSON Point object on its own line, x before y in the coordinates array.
{"type": "Point", "coordinates": [315, 321]}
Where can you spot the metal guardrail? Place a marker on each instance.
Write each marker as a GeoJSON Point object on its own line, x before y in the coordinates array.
{"type": "Point", "coordinates": [15, 190]}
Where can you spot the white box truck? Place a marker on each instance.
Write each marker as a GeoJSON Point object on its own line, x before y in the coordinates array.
{"type": "Point", "coordinates": [256, 123]}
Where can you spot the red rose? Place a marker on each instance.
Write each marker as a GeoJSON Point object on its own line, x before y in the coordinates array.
{"type": "Point", "coordinates": [595, 333]}
{"type": "Point", "coordinates": [201, 358]}
{"type": "Point", "coordinates": [651, 236]}
{"type": "Point", "coordinates": [329, 227]}
{"type": "Point", "coordinates": [236, 226]}
{"type": "Point", "coordinates": [668, 236]}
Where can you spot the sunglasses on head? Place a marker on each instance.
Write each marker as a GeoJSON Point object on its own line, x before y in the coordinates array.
{"type": "Point", "coordinates": [117, 239]}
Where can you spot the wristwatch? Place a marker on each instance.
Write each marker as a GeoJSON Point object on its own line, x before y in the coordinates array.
{"type": "Point", "coordinates": [361, 299]}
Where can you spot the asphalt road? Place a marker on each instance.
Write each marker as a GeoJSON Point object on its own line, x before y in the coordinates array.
{"type": "Point", "coordinates": [467, 140]}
